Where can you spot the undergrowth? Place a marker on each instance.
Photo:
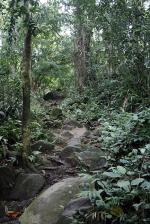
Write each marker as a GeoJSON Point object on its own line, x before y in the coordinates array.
{"type": "Point", "coordinates": [122, 190]}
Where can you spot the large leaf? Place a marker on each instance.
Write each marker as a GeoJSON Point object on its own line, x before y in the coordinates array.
{"type": "Point", "coordinates": [111, 174]}
{"type": "Point", "coordinates": [125, 184]}
{"type": "Point", "coordinates": [121, 169]}
{"type": "Point", "coordinates": [137, 181]}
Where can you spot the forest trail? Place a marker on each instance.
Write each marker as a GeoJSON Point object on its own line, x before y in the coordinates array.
{"type": "Point", "coordinates": [73, 152]}
{"type": "Point", "coordinates": [75, 149]}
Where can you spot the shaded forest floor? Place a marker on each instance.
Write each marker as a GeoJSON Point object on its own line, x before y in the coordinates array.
{"type": "Point", "coordinates": [63, 157]}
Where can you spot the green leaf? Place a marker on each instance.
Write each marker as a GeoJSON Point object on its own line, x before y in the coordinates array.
{"type": "Point", "coordinates": [125, 184]}
{"type": "Point", "coordinates": [35, 153]}
{"type": "Point", "coordinates": [121, 169]}
{"type": "Point", "coordinates": [137, 181]}
{"type": "Point", "coordinates": [137, 206]}
{"type": "Point", "coordinates": [111, 174]}
{"type": "Point", "coordinates": [100, 203]}
{"type": "Point", "coordinates": [135, 117]}
{"type": "Point", "coordinates": [146, 185]}
{"type": "Point", "coordinates": [142, 150]}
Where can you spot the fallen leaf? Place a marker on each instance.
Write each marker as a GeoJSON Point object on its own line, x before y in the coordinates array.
{"type": "Point", "coordinates": [13, 214]}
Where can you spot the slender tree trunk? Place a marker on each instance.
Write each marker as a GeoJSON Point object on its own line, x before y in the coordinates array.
{"type": "Point", "coordinates": [26, 80]}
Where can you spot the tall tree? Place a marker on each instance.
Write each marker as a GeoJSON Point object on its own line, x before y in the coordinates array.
{"type": "Point", "coordinates": [24, 11]}
{"type": "Point", "coordinates": [26, 82]}
{"type": "Point", "coordinates": [83, 25]}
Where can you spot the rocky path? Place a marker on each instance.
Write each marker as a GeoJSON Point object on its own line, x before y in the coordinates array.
{"type": "Point", "coordinates": [75, 148]}
{"type": "Point", "coordinates": [76, 154]}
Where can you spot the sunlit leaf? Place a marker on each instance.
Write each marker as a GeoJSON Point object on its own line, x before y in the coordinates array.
{"type": "Point", "coordinates": [121, 169]}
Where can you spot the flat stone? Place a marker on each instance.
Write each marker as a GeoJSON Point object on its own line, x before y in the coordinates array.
{"type": "Point", "coordinates": [48, 207]}
{"type": "Point", "coordinates": [27, 186]}
{"type": "Point", "coordinates": [94, 160]}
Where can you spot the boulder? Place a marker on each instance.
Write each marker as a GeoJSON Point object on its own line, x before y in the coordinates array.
{"type": "Point", "coordinates": [75, 206]}
{"type": "Point", "coordinates": [69, 155]}
{"type": "Point", "coordinates": [27, 186]}
{"type": "Point", "coordinates": [53, 95]}
{"type": "Point", "coordinates": [94, 160]}
{"type": "Point", "coordinates": [7, 181]}
{"type": "Point", "coordinates": [68, 151]}
{"type": "Point", "coordinates": [48, 207]}
{"type": "Point", "coordinates": [42, 146]}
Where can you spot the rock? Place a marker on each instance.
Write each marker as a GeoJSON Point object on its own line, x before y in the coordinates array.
{"type": "Point", "coordinates": [60, 141]}
{"type": "Point", "coordinates": [7, 181]}
{"type": "Point", "coordinates": [68, 151]}
{"type": "Point", "coordinates": [53, 124]}
{"type": "Point", "coordinates": [87, 134]}
{"type": "Point", "coordinates": [57, 112]}
{"type": "Point", "coordinates": [73, 123]}
{"type": "Point", "coordinates": [69, 155]}
{"type": "Point", "coordinates": [53, 95]}
{"type": "Point", "coordinates": [42, 145]}
{"type": "Point", "coordinates": [74, 142]}
{"type": "Point", "coordinates": [27, 186]}
{"type": "Point", "coordinates": [67, 134]}
{"type": "Point", "coordinates": [95, 159]}
{"type": "Point", "coordinates": [75, 205]}
{"type": "Point", "coordinates": [48, 207]}
{"type": "Point", "coordinates": [2, 116]}
{"type": "Point", "coordinates": [67, 127]}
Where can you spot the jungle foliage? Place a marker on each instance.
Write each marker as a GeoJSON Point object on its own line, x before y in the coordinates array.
{"type": "Point", "coordinates": [97, 53]}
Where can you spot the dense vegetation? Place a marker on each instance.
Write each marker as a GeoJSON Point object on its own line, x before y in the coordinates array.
{"type": "Point", "coordinates": [97, 55]}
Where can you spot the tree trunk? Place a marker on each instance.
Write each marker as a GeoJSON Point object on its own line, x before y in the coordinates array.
{"type": "Point", "coordinates": [82, 51]}
{"type": "Point", "coordinates": [26, 80]}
